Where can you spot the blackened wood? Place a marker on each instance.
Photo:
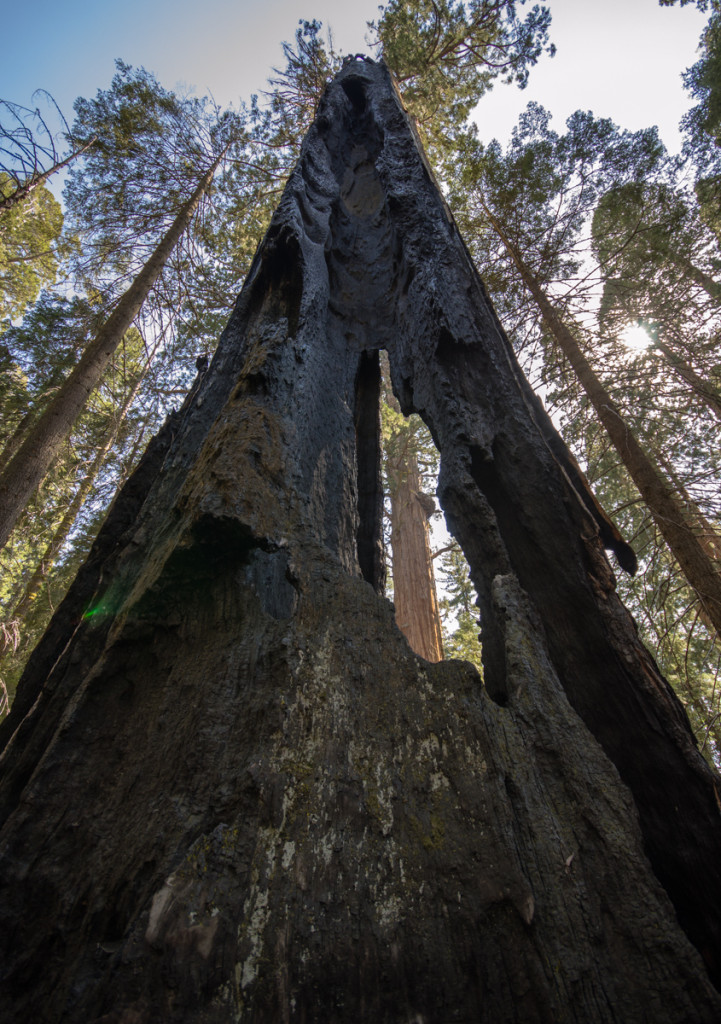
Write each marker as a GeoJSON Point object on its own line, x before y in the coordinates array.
{"type": "Point", "coordinates": [232, 792]}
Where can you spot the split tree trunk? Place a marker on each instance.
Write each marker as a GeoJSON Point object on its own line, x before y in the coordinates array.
{"type": "Point", "coordinates": [24, 473]}
{"type": "Point", "coordinates": [230, 790]}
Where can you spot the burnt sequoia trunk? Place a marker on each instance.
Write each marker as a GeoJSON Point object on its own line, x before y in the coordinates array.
{"type": "Point", "coordinates": [414, 582]}
{"type": "Point", "coordinates": [230, 790]}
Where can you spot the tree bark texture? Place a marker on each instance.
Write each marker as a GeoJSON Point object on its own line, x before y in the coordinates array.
{"type": "Point", "coordinates": [414, 583]}
{"type": "Point", "coordinates": [231, 792]}
{"type": "Point", "coordinates": [15, 439]}
{"type": "Point", "coordinates": [24, 473]}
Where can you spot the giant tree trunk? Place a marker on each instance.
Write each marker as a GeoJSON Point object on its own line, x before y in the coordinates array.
{"type": "Point", "coordinates": [24, 473]}
{"type": "Point", "coordinates": [231, 791]}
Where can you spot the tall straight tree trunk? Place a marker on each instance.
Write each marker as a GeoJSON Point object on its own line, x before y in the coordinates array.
{"type": "Point", "coordinates": [414, 584]}
{"type": "Point", "coordinates": [698, 276]}
{"type": "Point", "coordinates": [23, 475]}
{"type": "Point", "coordinates": [66, 524]}
{"type": "Point", "coordinates": [703, 389]}
{"type": "Point", "coordinates": [668, 514]}
{"type": "Point", "coordinates": [15, 439]}
{"type": "Point", "coordinates": [707, 534]}
{"type": "Point", "coordinates": [229, 788]}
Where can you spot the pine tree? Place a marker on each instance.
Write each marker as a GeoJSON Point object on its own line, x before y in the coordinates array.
{"type": "Point", "coordinates": [139, 187]}
{"type": "Point", "coordinates": [535, 203]}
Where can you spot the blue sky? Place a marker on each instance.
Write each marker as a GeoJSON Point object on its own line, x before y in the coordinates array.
{"type": "Point", "coordinates": [619, 58]}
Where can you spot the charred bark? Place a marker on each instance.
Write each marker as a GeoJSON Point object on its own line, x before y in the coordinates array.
{"type": "Point", "coordinates": [230, 789]}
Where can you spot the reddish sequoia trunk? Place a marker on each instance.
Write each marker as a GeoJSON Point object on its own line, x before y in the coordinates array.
{"type": "Point", "coordinates": [231, 791]}
{"type": "Point", "coordinates": [414, 585]}
{"type": "Point", "coordinates": [414, 582]}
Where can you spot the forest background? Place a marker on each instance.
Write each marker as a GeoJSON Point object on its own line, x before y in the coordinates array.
{"type": "Point", "coordinates": [599, 245]}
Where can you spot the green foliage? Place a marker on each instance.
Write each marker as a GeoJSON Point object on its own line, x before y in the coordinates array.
{"type": "Point", "coordinates": [702, 123]}
{"type": "Point", "coordinates": [544, 187]}
{"type": "Point", "coordinates": [296, 90]}
{"type": "Point", "coordinates": [609, 227]}
{"type": "Point", "coordinates": [29, 248]}
{"type": "Point", "coordinates": [664, 608]}
{"type": "Point", "coordinates": [446, 55]}
{"type": "Point", "coordinates": [660, 268]}
{"type": "Point", "coordinates": [459, 613]}
{"type": "Point", "coordinates": [67, 510]}
{"type": "Point", "coordinates": [247, 192]}
{"type": "Point", "coordinates": [151, 149]}
{"type": "Point", "coordinates": [37, 354]}
{"type": "Point", "coordinates": [405, 437]}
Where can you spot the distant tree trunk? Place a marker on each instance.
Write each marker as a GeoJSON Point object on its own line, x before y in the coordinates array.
{"type": "Point", "coordinates": [230, 790]}
{"type": "Point", "coordinates": [24, 473]}
{"type": "Point", "coordinates": [698, 276]}
{"type": "Point", "coordinates": [414, 584]}
{"type": "Point", "coordinates": [707, 534]}
{"type": "Point", "coordinates": [668, 514]}
{"type": "Point", "coordinates": [703, 389]}
{"type": "Point", "coordinates": [15, 439]}
{"type": "Point", "coordinates": [66, 524]}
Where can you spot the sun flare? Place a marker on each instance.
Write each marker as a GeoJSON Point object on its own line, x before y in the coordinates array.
{"type": "Point", "coordinates": [636, 338]}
